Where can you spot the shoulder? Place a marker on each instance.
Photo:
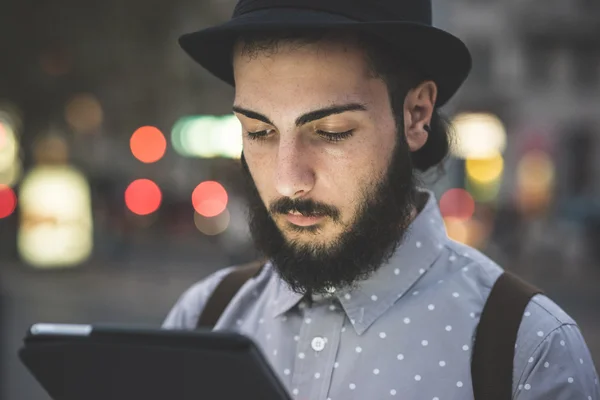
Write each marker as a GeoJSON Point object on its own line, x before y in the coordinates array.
{"type": "Point", "coordinates": [541, 316]}
{"type": "Point", "coordinates": [189, 306]}
{"type": "Point", "coordinates": [187, 309]}
{"type": "Point", "coordinates": [554, 365]}
{"type": "Point", "coordinates": [470, 271]}
{"type": "Point", "coordinates": [551, 358]}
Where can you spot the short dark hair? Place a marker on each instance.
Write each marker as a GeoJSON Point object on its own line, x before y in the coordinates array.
{"type": "Point", "coordinates": [400, 76]}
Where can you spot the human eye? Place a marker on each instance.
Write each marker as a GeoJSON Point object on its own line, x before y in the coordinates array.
{"type": "Point", "coordinates": [259, 135]}
{"type": "Point", "coordinates": [335, 136]}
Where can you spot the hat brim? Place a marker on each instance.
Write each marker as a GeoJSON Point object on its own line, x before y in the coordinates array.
{"type": "Point", "coordinates": [443, 57]}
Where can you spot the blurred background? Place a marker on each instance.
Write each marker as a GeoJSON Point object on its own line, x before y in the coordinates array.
{"type": "Point", "coordinates": [119, 159]}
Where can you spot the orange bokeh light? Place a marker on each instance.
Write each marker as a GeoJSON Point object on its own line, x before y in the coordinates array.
{"type": "Point", "coordinates": [457, 203]}
{"type": "Point", "coordinates": [209, 199]}
{"type": "Point", "coordinates": [143, 197]}
{"type": "Point", "coordinates": [8, 201]}
{"type": "Point", "coordinates": [148, 144]}
{"type": "Point", "coordinates": [84, 113]}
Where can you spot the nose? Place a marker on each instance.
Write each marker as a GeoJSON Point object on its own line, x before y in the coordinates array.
{"type": "Point", "coordinates": [294, 175]}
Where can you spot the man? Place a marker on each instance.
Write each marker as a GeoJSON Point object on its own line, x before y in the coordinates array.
{"type": "Point", "coordinates": [364, 296]}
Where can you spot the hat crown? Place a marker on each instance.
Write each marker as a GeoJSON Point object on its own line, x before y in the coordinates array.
{"type": "Point", "coordinates": [416, 11]}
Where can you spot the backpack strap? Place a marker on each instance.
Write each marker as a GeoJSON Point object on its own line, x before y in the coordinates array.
{"type": "Point", "coordinates": [494, 347]}
{"type": "Point", "coordinates": [225, 291]}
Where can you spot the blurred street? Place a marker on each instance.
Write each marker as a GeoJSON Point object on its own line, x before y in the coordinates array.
{"type": "Point", "coordinates": [120, 182]}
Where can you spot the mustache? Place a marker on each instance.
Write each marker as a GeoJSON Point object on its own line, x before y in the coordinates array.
{"type": "Point", "coordinates": [306, 207]}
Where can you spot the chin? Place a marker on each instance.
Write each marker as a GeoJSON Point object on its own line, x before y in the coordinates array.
{"type": "Point", "coordinates": [314, 235]}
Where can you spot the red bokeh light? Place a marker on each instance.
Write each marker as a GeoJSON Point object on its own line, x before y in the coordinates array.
{"type": "Point", "coordinates": [457, 203]}
{"type": "Point", "coordinates": [209, 199]}
{"type": "Point", "coordinates": [8, 201]}
{"type": "Point", "coordinates": [143, 197]}
{"type": "Point", "coordinates": [148, 144]}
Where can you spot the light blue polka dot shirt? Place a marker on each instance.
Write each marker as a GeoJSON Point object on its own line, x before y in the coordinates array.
{"type": "Point", "coordinates": [405, 333]}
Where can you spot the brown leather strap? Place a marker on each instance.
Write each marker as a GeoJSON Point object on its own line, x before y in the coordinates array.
{"type": "Point", "coordinates": [494, 347]}
{"type": "Point", "coordinates": [225, 291]}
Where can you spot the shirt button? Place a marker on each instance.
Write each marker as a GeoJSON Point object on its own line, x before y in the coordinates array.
{"type": "Point", "coordinates": [318, 343]}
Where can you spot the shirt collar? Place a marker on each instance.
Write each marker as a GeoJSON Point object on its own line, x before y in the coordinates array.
{"type": "Point", "coordinates": [412, 259]}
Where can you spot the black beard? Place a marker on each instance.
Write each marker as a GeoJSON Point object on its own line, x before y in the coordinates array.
{"type": "Point", "coordinates": [379, 227]}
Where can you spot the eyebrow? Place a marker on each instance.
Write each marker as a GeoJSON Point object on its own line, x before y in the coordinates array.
{"type": "Point", "coordinates": [308, 117]}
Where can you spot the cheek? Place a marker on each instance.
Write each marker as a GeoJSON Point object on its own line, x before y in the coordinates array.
{"type": "Point", "coordinates": [355, 175]}
{"type": "Point", "coordinates": [261, 168]}
{"type": "Point", "coordinates": [369, 160]}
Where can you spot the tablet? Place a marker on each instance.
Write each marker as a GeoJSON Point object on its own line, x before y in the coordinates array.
{"type": "Point", "coordinates": [94, 362]}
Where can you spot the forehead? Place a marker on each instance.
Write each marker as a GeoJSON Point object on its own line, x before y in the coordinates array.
{"type": "Point", "coordinates": [327, 70]}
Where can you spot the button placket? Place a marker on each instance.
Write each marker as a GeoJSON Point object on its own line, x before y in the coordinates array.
{"type": "Point", "coordinates": [303, 365]}
{"type": "Point", "coordinates": [325, 335]}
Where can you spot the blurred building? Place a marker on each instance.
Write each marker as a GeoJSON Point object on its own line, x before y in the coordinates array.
{"type": "Point", "coordinates": [537, 64]}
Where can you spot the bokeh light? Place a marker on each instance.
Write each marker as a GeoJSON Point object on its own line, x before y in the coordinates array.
{"type": "Point", "coordinates": [209, 199]}
{"type": "Point", "coordinates": [148, 144]}
{"type": "Point", "coordinates": [535, 182]}
{"type": "Point", "coordinates": [84, 113]}
{"type": "Point", "coordinates": [11, 175]}
{"type": "Point", "coordinates": [478, 135]}
{"type": "Point", "coordinates": [457, 204]}
{"type": "Point", "coordinates": [56, 61]}
{"type": "Point", "coordinates": [8, 201]}
{"type": "Point", "coordinates": [143, 197]}
{"type": "Point", "coordinates": [10, 162]}
{"type": "Point", "coordinates": [56, 228]}
{"type": "Point", "coordinates": [457, 229]}
{"type": "Point", "coordinates": [10, 116]}
{"type": "Point", "coordinates": [51, 149]}
{"type": "Point", "coordinates": [470, 232]}
{"type": "Point", "coordinates": [535, 171]}
{"type": "Point", "coordinates": [9, 147]}
{"type": "Point", "coordinates": [485, 170]}
{"type": "Point", "coordinates": [208, 136]}
{"type": "Point", "coordinates": [483, 192]}
{"type": "Point", "coordinates": [212, 226]}
{"type": "Point", "coordinates": [3, 136]}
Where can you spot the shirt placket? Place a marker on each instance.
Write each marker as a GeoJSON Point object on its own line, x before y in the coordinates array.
{"type": "Point", "coordinates": [318, 344]}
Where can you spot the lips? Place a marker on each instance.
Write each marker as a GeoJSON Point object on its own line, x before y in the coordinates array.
{"type": "Point", "coordinates": [298, 219]}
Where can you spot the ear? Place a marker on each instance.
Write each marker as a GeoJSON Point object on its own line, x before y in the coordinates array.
{"type": "Point", "coordinates": [418, 109]}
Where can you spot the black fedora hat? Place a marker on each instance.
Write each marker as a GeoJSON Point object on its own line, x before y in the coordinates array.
{"type": "Point", "coordinates": [406, 25]}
